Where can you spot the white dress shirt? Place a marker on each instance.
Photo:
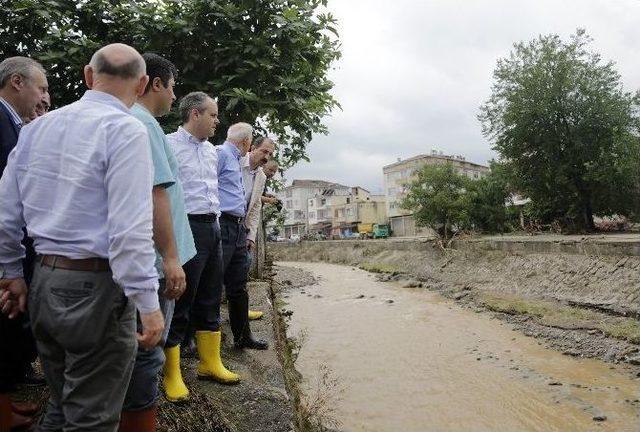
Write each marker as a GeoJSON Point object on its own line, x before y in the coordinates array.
{"type": "Point", "coordinates": [198, 172]}
{"type": "Point", "coordinates": [80, 179]}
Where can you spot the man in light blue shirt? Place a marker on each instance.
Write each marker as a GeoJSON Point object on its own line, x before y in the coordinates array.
{"type": "Point", "coordinates": [80, 180]}
{"type": "Point", "coordinates": [172, 238]}
{"type": "Point", "coordinates": [233, 206]}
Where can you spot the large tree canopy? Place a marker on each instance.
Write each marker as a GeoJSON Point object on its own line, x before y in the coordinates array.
{"type": "Point", "coordinates": [265, 60]}
{"type": "Point", "coordinates": [560, 118]}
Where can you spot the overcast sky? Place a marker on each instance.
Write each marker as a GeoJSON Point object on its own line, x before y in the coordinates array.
{"type": "Point", "coordinates": [414, 72]}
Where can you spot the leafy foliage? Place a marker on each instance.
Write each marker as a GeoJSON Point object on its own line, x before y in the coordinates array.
{"type": "Point", "coordinates": [438, 199]}
{"type": "Point", "coordinates": [558, 115]}
{"type": "Point", "coordinates": [486, 200]}
{"type": "Point", "coordinates": [265, 60]}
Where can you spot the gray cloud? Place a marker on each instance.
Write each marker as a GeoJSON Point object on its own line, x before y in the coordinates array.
{"type": "Point", "coordinates": [414, 72]}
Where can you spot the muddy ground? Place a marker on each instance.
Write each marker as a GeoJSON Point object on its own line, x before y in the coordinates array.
{"type": "Point", "coordinates": [581, 305]}
{"type": "Point", "coordinates": [259, 403]}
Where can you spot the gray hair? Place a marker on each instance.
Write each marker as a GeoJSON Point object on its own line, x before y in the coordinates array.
{"type": "Point", "coordinates": [239, 132]}
{"type": "Point", "coordinates": [194, 100]}
{"type": "Point", "coordinates": [23, 66]}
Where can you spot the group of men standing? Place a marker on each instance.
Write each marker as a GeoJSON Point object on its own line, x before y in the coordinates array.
{"type": "Point", "coordinates": [136, 235]}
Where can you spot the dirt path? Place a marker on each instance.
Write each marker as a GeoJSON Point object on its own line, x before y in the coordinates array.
{"type": "Point", "coordinates": [390, 358]}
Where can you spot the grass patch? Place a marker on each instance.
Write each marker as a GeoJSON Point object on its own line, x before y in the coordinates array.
{"type": "Point", "coordinates": [567, 317]}
{"type": "Point", "coordinates": [378, 268]}
{"type": "Point", "coordinates": [627, 329]}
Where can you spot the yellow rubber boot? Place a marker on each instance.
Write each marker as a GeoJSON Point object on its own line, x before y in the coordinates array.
{"type": "Point", "coordinates": [210, 365]}
{"type": "Point", "coordinates": [174, 388]}
{"type": "Point", "coordinates": [255, 315]}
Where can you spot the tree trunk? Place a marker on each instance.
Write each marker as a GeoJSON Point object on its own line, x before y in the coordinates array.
{"type": "Point", "coordinates": [588, 216]}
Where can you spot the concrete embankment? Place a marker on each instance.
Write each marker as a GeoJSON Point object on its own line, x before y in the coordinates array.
{"type": "Point", "coordinates": [579, 293]}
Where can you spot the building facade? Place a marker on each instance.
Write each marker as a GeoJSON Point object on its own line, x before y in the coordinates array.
{"type": "Point", "coordinates": [296, 199]}
{"type": "Point", "coordinates": [359, 207]}
{"type": "Point", "coordinates": [399, 174]}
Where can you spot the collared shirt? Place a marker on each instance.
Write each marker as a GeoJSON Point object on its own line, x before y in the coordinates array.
{"type": "Point", "coordinates": [248, 177]}
{"type": "Point", "coordinates": [197, 162]}
{"type": "Point", "coordinates": [15, 117]}
{"type": "Point", "coordinates": [165, 173]}
{"type": "Point", "coordinates": [80, 179]}
{"type": "Point", "coordinates": [232, 197]}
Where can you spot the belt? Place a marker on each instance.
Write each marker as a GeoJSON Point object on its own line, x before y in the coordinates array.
{"type": "Point", "coordinates": [86, 264]}
{"type": "Point", "coordinates": [235, 219]}
{"type": "Point", "coordinates": [206, 218]}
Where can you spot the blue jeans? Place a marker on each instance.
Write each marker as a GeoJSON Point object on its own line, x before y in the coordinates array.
{"type": "Point", "coordinates": [143, 391]}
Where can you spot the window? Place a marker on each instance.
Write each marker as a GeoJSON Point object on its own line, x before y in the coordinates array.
{"type": "Point", "coordinates": [335, 214]}
{"type": "Point", "coordinates": [475, 175]}
{"type": "Point", "coordinates": [296, 203]}
{"type": "Point", "coordinates": [349, 211]}
{"type": "Point", "coordinates": [288, 204]}
{"type": "Point", "coordinates": [323, 201]}
{"type": "Point", "coordinates": [310, 203]}
{"type": "Point", "coordinates": [312, 215]}
{"type": "Point", "coordinates": [348, 200]}
{"type": "Point", "coordinates": [298, 214]}
{"type": "Point", "coordinates": [391, 191]}
{"type": "Point", "coordinates": [288, 193]}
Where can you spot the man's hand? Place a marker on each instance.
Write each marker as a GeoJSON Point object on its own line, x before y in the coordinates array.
{"type": "Point", "coordinates": [250, 245]}
{"type": "Point", "coordinates": [152, 327]}
{"type": "Point", "coordinates": [13, 296]}
{"type": "Point", "coordinates": [175, 279]}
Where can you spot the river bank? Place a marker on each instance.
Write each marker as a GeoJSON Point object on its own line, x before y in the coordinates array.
{"type": "Point", "coordinates": [259, 403]}
{"type": "Point", "coordinates": [375, 355]}
{"type": "Point", "coordinates": [579, 303]}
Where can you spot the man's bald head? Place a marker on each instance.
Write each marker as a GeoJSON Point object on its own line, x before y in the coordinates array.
{"type": "Point", "coordinates": [118, 70]}
{"type": "Point", "coordinates": [119, 61]}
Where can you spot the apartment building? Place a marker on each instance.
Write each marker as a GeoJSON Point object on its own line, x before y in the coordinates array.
{"type": "Point", "coordinates": [398, 174]}
{"type": "Point", "coordinates": [296, 199]}
{"type": "Point", "coordinates": [360, 207]}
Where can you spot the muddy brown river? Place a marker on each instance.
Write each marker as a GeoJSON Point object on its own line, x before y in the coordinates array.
{"type": "Point", "coordinates": [409, 360]}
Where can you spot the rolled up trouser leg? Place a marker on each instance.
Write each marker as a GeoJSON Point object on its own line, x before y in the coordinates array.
{"type": "Point", "coordinates": [85, 331]}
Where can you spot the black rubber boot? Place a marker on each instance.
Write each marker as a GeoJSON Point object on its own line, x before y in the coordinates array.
{"type": "Point", "coordinates": [188, 346]}
{"type": "Point", "coordinates": [239, 320]}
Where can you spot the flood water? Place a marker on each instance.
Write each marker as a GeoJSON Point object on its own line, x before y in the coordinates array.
{"type": "Point", "coordinates": [423, 363]}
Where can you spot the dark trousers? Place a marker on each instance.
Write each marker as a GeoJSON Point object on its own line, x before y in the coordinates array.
{"type": "Point", "coordinates": [234, 250]}
{"type": "Point", "coordinates": [85, 331]}
{"type": "Point", "coordinates": [17, 345]}
{"type": "Point", "coordinates": [199, 305]}
{"type": "Point", "coordinates": [143, 391]}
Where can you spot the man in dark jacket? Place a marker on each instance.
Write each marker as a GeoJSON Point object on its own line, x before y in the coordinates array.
{"type": "Point", "coordinates": [23, 85]}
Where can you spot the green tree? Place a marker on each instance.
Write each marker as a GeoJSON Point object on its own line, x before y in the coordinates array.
{"type": "Point", "coordinates": [265, 60]}
{"type": "Point", "coordinates": [438, 199]}
{"type": "Point", "coordinates": [559, 116]}
{"type": "Point", "coordinates": [487, 199]}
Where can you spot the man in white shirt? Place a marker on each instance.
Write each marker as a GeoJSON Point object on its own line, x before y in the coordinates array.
{"type": "Point", "coordinates": [199, 305]}
{"type": "Point", "coordinates": [80, 180]}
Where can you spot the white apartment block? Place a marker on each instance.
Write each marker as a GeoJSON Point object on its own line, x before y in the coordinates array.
{"type": "Point", "coordinates": [397, 176]}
